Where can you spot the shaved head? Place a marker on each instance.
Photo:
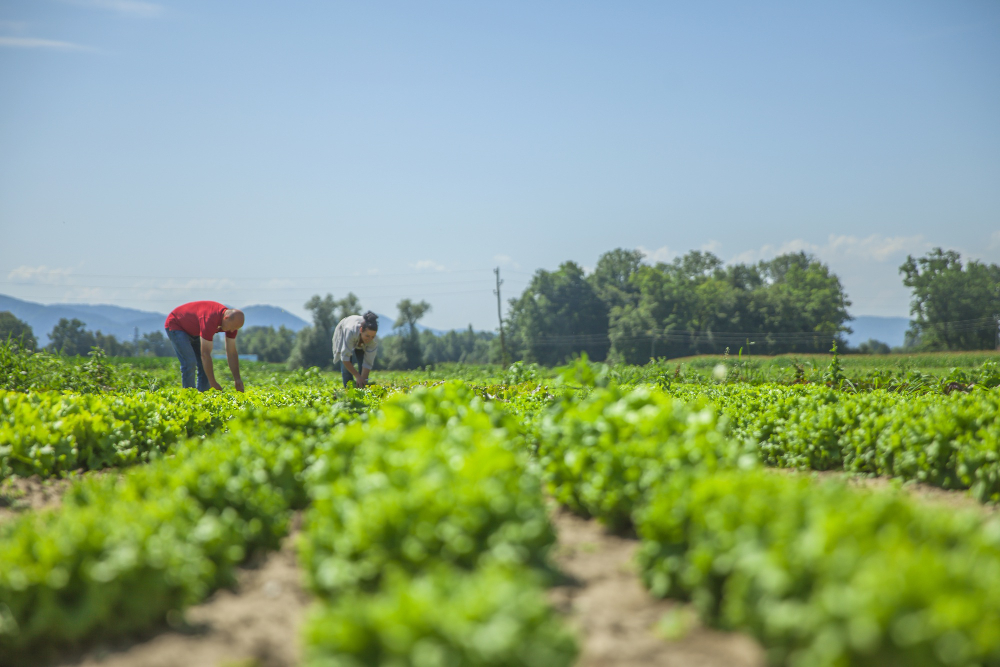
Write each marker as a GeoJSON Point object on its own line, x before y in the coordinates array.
{"type": "Point", "coordinates": [233, 319]}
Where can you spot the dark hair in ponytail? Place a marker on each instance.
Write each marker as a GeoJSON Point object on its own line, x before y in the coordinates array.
{"type": "Point", "coordinates": [371, 321]}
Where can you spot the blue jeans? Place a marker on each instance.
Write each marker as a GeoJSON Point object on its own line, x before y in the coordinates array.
{"type": "Point", "coordinates": [188, 350]}
{"type": "Point", "coordinates": [346, 374]}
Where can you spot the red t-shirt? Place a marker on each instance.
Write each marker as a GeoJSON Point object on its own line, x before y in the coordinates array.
{"type": "Point", "coordinates": [198, 318]}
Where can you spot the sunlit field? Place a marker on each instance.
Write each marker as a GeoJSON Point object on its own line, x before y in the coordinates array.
{"type": "Point", "coordinates": [427, 507]}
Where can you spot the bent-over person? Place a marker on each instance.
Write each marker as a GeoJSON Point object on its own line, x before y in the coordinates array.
{"type": "Point", "coordinates": [354, 344]}
{"type": "Point", "coordinates": [191, 328]}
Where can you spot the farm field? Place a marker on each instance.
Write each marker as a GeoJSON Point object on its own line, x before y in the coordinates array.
{"type": "Point", "coordinates": [470, 515]}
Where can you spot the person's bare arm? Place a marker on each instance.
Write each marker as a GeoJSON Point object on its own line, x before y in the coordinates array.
{"type": "Point", "coordinates": [206, 362]}
{"type": "Point", "coordinates": [233, 357]}
{"type": "Point", "coordinates": [359, 380]}
{"type": "Point", "coordinates": [366, 365]}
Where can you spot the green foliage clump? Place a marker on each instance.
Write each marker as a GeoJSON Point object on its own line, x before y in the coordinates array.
{"type": "Point", "coordinates": [16, 331]}
{"type": "Point", "coordinates": [824, 574]}
{"type": "Point", "coordinates": [695, 305]}
{"type": "Point", "coordinates": [519, 372]}
{"type": "Point", "coordinates": [490, 617]}
{"type": "Point", "coordinates": [949, 441]}
{"type": "Point", "coordinates": [47, 433]}
{"type": "Point", "coordinates": [601, 454]}
{"type": "Point", "coordinates": [269, 344]}
{"type": "Point", "coordinates": [24, 370]}
{"type": "Point", "coordinates": [314, 344]}
{"type": "Point", "coordinates": [119, 554]}
{"type": "Point", "coordinates": [953, 306]}
{"type": "Point", "coordinates": [557, 317]}
{"type": "Point", "coordinates": [425, 539]}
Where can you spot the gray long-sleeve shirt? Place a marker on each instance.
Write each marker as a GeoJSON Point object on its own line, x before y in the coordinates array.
{"type": "Point", "coordinates": [347, 338]}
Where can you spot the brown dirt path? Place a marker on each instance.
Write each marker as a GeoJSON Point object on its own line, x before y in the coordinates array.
{"type": "Point", "coordinates": [20, 494]}
{"type": "Point", "coordinates": [619, 624]}
{"type": "Point", "coordinates": [255, 625]}
{"type": "Point", "coordinates": [615, 616]}
{"type": "Point", "coordinates": [954, 499]}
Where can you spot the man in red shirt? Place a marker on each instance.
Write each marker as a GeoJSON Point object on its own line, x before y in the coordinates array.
{"type": "Point", "coordinates": [191, 328]}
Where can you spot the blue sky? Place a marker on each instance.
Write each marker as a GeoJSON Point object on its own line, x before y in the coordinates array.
{"type": "Point", "coordinates": [252, 152]}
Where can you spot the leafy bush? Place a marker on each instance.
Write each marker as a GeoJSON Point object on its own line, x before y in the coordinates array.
{"type": "Point", "coordinates": [602, 454]}
{"type": "Point", "coordinates": [824, 574]}
{"type": "Point", "coordinates": [424, 537]}
{"type": "Point", "coordinates": [120, 553]}
{"type": "Point", "coordinates": [492, 616]}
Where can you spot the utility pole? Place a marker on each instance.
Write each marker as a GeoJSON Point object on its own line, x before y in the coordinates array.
{"type": "Point", "coordinates": [503, 341]}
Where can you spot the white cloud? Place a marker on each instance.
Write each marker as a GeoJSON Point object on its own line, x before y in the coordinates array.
{"type": "Point", "coordinates": [506, 260]}
{"type": "Point", "coordinates": [872, 248]}
{"type": "Point", "coordinates": [876, 247]}
{"type": "Point", "coordinates": [712, 246]}
{"type": "Point", "coordinates": [33, 43]}
{"type": "Point", "coordinates": [662, 254]}
{"type": "Point", "coordinates": [767, 251]}
{"type": "Point", "coordinates": [129, 7]}
{"type": "Point", "coordinates": [427, 265]}
{"type": "Point", "coordinates": [39, 275]}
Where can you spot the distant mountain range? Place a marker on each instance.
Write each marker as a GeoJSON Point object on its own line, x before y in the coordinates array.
{"type": "Point", "coordinates": [123, 322]}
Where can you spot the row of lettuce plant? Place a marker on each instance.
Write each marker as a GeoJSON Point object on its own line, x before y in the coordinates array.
{"type": "Point", "coordinates": [123, 551]}
{"type": "Point", "coordinates": [820, 574]}
{"type": "Point", "coordinates": [426, 540]}
{"type": "Point", "coordinates": [49, 433]}
{"type": "Point", "coordinates": [951, 441]}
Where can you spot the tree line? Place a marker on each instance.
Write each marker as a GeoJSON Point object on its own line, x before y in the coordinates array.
{"type": "Point", "coordinates": [70, 337]}
{"type": "Point", "coordinates": [409, 348]}
{"type": "Point", "coordinates": [628, 311]}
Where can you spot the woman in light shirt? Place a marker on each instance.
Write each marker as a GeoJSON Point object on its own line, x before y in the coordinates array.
{"type": "Point", "coordinates": [354, 343]}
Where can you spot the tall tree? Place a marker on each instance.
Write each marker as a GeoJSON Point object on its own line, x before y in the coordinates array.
{"type": "Point", "coordinates": [696, 305]}
{"type": "Point", "coordinates": [952, 305]}
{"type": "Point", "coordinates": [559, 315]}
{"type": "Point", "coordinates": [314, 344]}
{"type": "Point", "coordinates": [154, 344]}
{"type": "Point", "coordinates": [268, 343]}
{"type": "Point", "coordinates": [802, 297]}
{"type": "Point", "coordinates": [349, 305]}
{"type": "Point", "coordinates": [464, 347]}
{"type": "Point", "coordinates": [409, 314]}
{"type": "Point", "coordinates": [17, 331]}
{"type": "Point", "coordinates": [70, 337]}
{"type": "Point", "coordinates": [612, 277]}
